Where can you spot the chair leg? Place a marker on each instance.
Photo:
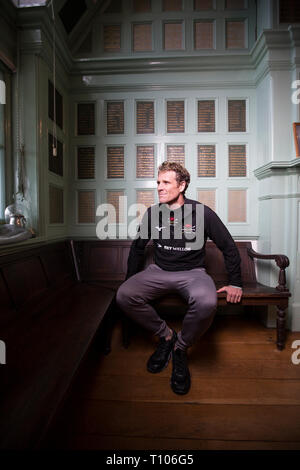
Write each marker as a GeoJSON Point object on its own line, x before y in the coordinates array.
{"type": "Point", "coordinates": [280, 327]}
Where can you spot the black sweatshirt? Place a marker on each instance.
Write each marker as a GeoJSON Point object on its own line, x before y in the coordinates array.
{"type": "Point", "coordinates": [173, 249]}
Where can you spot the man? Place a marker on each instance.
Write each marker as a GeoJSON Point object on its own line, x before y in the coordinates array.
{"type": "Point", "coordinates": [179, 266]}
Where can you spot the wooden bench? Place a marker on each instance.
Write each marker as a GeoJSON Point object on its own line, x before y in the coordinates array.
{"type": "Point", "coordinates": [48, 322]}
{"type": "Point", "coordinates": [105, 262]}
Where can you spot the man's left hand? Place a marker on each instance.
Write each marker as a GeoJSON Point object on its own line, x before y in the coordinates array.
{"type": "Point", "coordinates": [234, 294]}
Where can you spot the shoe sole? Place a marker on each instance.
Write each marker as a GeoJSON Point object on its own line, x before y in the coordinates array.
{"type": "Point", "coordinates": [164, 367]}
{"type": "Point", "coordinates": [180, 392]}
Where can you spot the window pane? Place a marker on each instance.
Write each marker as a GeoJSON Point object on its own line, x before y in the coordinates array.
{"type": "Point", "coordinates": [86, 207]}
{"type": "Point", "coordinates": [86, 119]}
{"type": "Point", "coordinates": [55, 162]}
{"type": "Point", "coordinates": [56, 205]}
{"type": "Point", "coordinates": [2, 153]}
{"type": "Point", "coordinates": [86, 163]}
{"type": "Point", "coordinates": [58, 105]}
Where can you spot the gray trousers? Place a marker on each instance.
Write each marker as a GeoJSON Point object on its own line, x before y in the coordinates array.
{"type": "Point", "coordinates": [195, 286]}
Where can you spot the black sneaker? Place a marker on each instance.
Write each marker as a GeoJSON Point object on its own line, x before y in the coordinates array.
{"type": "Point", "coordinates": [161, 356]}
{"type": "Point", "coordinates": [180, 379]}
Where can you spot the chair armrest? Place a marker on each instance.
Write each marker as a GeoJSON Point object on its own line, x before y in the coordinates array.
{"type": "Point", "coordinates": [282, 262]}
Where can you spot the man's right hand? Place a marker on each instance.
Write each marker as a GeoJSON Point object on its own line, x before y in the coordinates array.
{"type": "Point", "coordinates": [234, 294]}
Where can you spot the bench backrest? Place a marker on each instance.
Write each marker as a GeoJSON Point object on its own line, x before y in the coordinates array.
{"type": "Point", "coordinates": [106, 260]}
{"type": "Point", "coordinates": [216, 267]}
{"type": "Point", "coordinates": [28, 277]}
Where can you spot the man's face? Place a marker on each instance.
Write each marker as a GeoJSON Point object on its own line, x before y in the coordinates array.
{"type": "Point", "coordinates": [169, 191]}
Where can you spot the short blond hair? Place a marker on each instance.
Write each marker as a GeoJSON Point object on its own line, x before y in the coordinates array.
{"type": "Point", "coordinates": [181, 173]}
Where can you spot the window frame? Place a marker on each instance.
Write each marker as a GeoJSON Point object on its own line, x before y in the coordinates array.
{"type": "Point", "coordinates": [6, 178]}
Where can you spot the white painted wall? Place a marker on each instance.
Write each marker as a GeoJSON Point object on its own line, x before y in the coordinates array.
{"type": "Point", "coordinates": [264, 121]}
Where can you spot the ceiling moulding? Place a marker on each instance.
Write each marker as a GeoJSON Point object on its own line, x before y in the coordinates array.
{"type": "Point", "coordinates": [276, 168]}
{"type": "Point", "coordinates": [42, 48]}
{"type": "Point", "coordinates": [37, 32]}
{"type": "Point", "coordinates": [269, 41]}
{"type": "Point", "coordinates": [295, 35]}
{"type": "Point", "coordinates": [29, 3]}
{"type": "Point", "coordinates": [8, 49]}
{"type": "Point", "coordinates": [153, 88]}
{"type": "Point", "coordinates": [162, 64]}
{"type": "Point", "coordinates": [279, 196]}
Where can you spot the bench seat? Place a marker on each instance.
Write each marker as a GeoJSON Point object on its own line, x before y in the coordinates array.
{"type": "Point", "coordinates": [112, 272]}
{"type": "Point", "coordinates": [47, 338]}
{"type": "Point", "coordinates": [253, 294]}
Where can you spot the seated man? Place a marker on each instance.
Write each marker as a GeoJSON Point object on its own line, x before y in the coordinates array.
{"type": "Point", "coordinates": [179, 267]}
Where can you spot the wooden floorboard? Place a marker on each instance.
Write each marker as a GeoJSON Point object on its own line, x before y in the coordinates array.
{"type": "Point", "coordinates": [179, 420]}
{"type": "Point", "coordinates": [231, 391]}
{"type": "Point", "coordinates": [92, 442]}
{"type": "Point", "coordinates": [245, 394]}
